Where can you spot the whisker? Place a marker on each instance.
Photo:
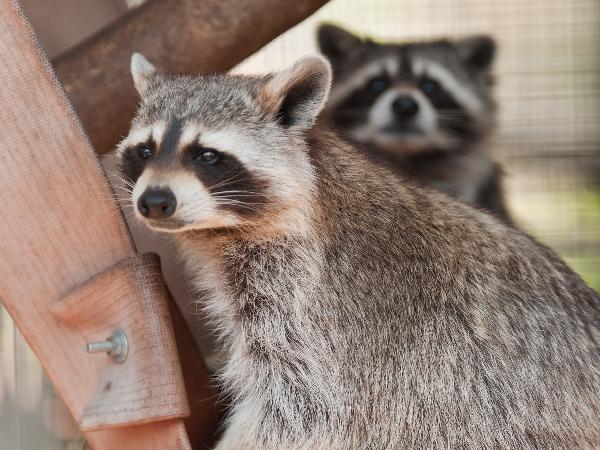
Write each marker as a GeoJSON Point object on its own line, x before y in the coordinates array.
{"type": "Point", "coordinates": [225, 185]}
{"type": "Point", "coordinates": [121, 177]}
{"type": "Point", "coordinates": [240, 205]}
{"type": "Point", "coordinates": [223, 182]}
{"type": "Point", "coordinates": [123, 190]}
{"type": "Point", "coordinates": [238, 194]}
{"type": "Point", "coordinates": [227, 199]}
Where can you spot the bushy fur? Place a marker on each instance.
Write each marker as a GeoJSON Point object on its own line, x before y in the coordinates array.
{"type": "Point", "coordinates": [365, 313]}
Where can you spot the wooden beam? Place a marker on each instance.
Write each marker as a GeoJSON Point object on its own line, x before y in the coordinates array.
{"type": "Point", "coordinates": [69, 273]}
{"type": "Point", "coordinates": [186, 36]}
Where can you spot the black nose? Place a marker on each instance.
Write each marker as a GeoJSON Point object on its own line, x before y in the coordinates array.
{"type": "Point", "coordinates": [157, 203]}
{"type": "Point", "coordinates": [405, 107]}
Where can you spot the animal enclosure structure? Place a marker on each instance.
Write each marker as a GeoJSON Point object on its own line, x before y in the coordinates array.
{"type": "Point", "coordinates": [549, 98]}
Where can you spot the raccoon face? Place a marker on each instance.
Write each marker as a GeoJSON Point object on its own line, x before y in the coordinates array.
{"type": "Point", "coordinates": [409, 98]}
{"type": "Point", "coordinates": [217, 151]}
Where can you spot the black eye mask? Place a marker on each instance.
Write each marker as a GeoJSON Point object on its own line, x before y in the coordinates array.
{"type": "Point", "coordinates": [231, 184]}
{"type": "Point", "coordinates": [134, 159]}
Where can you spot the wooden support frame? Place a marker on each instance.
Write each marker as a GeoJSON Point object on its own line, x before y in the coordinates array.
{"type": "Point", "coordinates": [60, 228]}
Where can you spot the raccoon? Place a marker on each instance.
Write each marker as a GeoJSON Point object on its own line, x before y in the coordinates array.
{"type": "Point", "coordinates": [356, 312]}
{"type": "Point", "coordinates": [423, 109]}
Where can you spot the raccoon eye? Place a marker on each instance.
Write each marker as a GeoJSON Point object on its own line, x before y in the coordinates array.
{"type": "Point", "coordinates": [429, 86]}
{"type": "Point", "coordinates": [207, 155]}
{"type": "Point", "coordinates": [144, 151]}
{"type": "Point", "coordinates": [377, 85]}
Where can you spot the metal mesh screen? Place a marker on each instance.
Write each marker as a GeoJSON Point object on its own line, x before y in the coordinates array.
{"type": "Point", "coordinates": [548, 91]}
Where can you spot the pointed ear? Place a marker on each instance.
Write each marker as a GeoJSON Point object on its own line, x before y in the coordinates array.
{"type": "Point", "coordinates": [336, 43]}
{"type": "Point", "coordinates": [477, 51]}
{"type": "Point", "coordinates": [297, 95]}
{"type": "Point", "coordinates": [142, 72]}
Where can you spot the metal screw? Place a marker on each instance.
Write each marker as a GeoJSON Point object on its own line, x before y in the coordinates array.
{"type": "Point", "coordinates": [116, 346]}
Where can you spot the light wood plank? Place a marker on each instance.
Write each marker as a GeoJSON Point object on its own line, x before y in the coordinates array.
{"type": "Point", "coordinates": [60, 226]}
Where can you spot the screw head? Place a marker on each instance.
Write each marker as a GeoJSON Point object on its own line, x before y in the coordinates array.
{"type": "Point", "coordinates": [115, 346]}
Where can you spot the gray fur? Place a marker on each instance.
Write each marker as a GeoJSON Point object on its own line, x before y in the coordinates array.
{"type": "Point", "coordinates": [364, 313]}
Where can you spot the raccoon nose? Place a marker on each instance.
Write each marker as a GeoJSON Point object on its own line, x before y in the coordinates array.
{"type": "Point", "coordinates": [405, 107]}
{"type": "Point", "coordinates": [157, 203]}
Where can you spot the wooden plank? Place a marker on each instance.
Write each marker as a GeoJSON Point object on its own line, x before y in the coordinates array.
{"type": "Point", "coordinates": [184, 36]}
{"type": "Point", "coordinates": [60, 226]}
{"type": "Point", "coordinates": [129, 296]}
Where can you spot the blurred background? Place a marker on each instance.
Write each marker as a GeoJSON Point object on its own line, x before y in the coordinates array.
{"type": "Point", "coordinates": [548, 137]}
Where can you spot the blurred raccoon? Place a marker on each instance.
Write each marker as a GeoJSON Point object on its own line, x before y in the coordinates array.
{"type": "Point", "coordinates": [423, 109]}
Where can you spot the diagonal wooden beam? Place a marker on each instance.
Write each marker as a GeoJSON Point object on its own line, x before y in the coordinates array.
{"type": "Point", "coordinates": [69, 273]}
{"type": "Point", "coordinates": [187, 36]}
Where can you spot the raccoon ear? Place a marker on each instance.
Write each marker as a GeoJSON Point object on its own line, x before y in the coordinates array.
{"type": "Point", "coordinates": [336, 43]}
{"type": "Point", "coordinates": [477, 51]}
{"type": "Point", "coordinates": [296, 96]}
{"type": "Point", "coordinates": [142, 72]}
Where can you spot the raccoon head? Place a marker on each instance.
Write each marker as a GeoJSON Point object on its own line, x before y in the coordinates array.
{"type": "Point", "coordinates": [409, 98]}
{"type": "Point", "coordinates": [219, 151]}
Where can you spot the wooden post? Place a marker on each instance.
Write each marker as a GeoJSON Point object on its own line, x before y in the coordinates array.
{"type": "Point", "coordinates": [186, 36]}
{"type": "Point", "coordinates": [69, 273]}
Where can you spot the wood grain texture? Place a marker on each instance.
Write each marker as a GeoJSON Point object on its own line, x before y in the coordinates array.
{"type": "Point", "coordinates": [60, 226]}
{"type": "Point", "coordinates": [148, 387]}
{"type": "Point", "coordinates": [186, 36]}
